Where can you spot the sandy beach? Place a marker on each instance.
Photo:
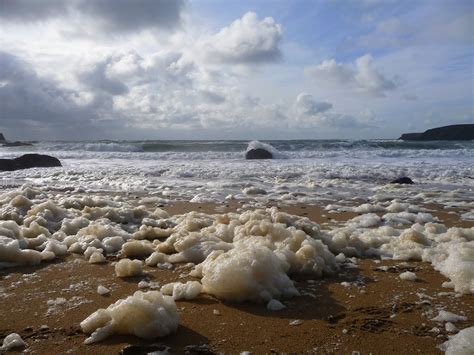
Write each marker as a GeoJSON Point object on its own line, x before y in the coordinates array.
{"type": "Point", "coordinates": [366, 308]}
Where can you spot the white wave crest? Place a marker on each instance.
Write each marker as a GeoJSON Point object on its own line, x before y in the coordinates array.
{"type": "Point", "coordinates": [259, 145]}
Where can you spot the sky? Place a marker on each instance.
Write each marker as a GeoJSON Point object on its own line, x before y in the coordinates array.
{"type": "Point", "coordinates": [234, 69]}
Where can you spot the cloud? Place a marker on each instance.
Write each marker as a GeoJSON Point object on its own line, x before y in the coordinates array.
{"type": "Point", "coordinates": [245, 41]}
{"type": "Point", "coordinates": [212, 97]}
{"type": "Point", "coordinates": [306, 104]}
{"type": "Point", "coordinates": [108, 15]}
{"type": "Point", "coordinates": [309, 112]}
{"type": "Point", "coordinates": [32, 104]}
{"type": "Point", "coordinates": [360, 76]}
{"type": "Point", "coordinates": [32, 10]}
{"type": "Point", "coordinates": [97, 79]}
{"type": "Point", "coordinates": [132, 15]}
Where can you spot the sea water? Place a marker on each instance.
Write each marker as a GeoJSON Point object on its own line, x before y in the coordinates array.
{"type": "Point", "coordinates": [305, 171]}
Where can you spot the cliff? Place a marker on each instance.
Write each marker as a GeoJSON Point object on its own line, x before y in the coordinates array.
{"type": "Point", "coordinates": [2, 138]}
{"type": "Point", "coordinates": [458, 132]}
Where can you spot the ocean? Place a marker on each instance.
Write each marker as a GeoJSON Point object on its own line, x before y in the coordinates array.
{"type": "Point", "coordinates": [304, 171]}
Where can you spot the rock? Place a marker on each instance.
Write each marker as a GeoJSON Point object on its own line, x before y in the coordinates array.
{"type": "Point", "coordinates": [29, 161]}
{"type": "Point", "coordinates": [7, 165]}
{"type": "Point", "coordinates": [258, 153]}
{"type": "Point", "coordinates": [203, 349]}
{"type": "Point", "coordinates": [459, 132]}
{"type": "Point", "coordinates": [402, 180]}
{"type": "Point", "coordinates": [6, 143]}
{"type": "Point", "coordinates": [138, 349]}
{"type": "Point", "coordinates": [16, 144]}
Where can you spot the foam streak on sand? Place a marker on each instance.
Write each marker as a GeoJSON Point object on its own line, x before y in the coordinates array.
{"type": "Point", "coordinates": [284, 244]}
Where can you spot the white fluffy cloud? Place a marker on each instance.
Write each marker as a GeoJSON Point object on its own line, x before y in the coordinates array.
{"type": "Point", "coordinates": [361, 76]}
{"type": "Point", "coordinates": [245, 41]}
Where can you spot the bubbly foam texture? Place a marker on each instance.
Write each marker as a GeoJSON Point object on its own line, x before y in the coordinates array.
{"type": "Point", "coordinates": [102, 290]}
{"type": "Point", "coordinates": [408, 276]}
{"type": "Point", "coordinates": [243, 274]}
{"type": "Point", "coordinates": [249, 255]}
{"type": "Point", "coordinates": [461, 343]}
{"type": "Point", "coordinates": [144, 314]}
{"type": "Point", "coordinates": [178, 290]}
{"type": "Point", "coordinates": [46, 228]}
{"type": "Point", "coordinates": [445, 316]}
{"type": "Point", "coordinates": [275, 305]}
{"type": "Point", "coordinates": [127, 268]}
{"type": "Point", "coordinates": [12, 341]}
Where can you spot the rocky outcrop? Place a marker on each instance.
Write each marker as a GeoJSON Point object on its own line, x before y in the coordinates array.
{"type": "Point", "coordinates": [258, 153]}
{"type": "Point", "coordinates": [402, 180]}
{"type": "Point", "coordinates": [458, 132]}
{"type": "Point", "coordinates": [5, 143]}
{"type": "Point", "coordinates": [28, 161]}
{"type": "Point", "coordinates": [16, 144]}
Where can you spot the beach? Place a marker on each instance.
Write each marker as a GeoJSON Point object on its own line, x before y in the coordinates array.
{"type": "Point", "coordinates": [358, 265]}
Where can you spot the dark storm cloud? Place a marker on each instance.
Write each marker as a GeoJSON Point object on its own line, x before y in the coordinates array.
{"type": "Point", "coordinates": [97, 80]}
{"type": "Point", "coordinates": [212, 97]}
{"type": "Point", "coordinates": [31, 10]}
{"type": "Point", "coordinates": [130, 15]}
{"type": "Point", "coordinates": [110, 15]}
{"type": "Point", "coordinates": [33, 104]}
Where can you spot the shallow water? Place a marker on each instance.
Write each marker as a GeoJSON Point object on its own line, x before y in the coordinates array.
{"type": "Point", "coordinates": [306, 171]}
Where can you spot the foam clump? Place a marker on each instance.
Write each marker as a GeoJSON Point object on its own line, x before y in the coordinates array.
{"type": "Point", "coordinates": [97, 258]}
{"type": "Point", "coordinates": [455, 260]}
{"type": "Point", "coordinates": [144, 314]}
{"type": "Point", "coordinates": [127, 268]}
{"type": "Point", "coordinates": [408, 276]}
{"type": "Point", "coordinates": [94, 255]}
{"type": "Point", "coordinates": [246, 274]}
{"type": "Point", "coordinates": [137, 249]}
{"type": "Point", "coordinates": [275, 305]}
{"type": "Point", "coordinates": [102, 290]}
{"type": "Point", "coordinates": [445, 316]}
{"type": "Point", "coordinates": [450, 327]}
{"type": "Point", "coordinates": [460, 344]}
{"type": "Point", "coordinates": [12, 341]}
{"type": "Point", "coordinates": [12, 254]}
{"type": "Point", "coordinates": [178, 290]}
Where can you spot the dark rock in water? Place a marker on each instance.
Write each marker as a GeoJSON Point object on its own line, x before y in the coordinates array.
{"type": "Point", "coordinates": [29, 161]}
{"type": "Point", "coordinates": [7, 165]}
{"type": "Point", "coordinates": [258, 153]}
{"type": "Point", "coordinates": [458, 132]}
{"type": "Point", "coordinates": [402, 180]}
{"type": "Point", "coordinates": [6, 143]}
{"type": "Point", "coordinates": [37, 161]}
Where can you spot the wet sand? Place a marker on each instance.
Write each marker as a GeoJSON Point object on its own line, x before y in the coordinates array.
{"type": "Point", "coordinates": [374, 311]}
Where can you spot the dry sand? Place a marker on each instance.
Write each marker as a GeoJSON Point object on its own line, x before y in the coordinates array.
{"type": "Point", "coordinates": [376, 312]}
